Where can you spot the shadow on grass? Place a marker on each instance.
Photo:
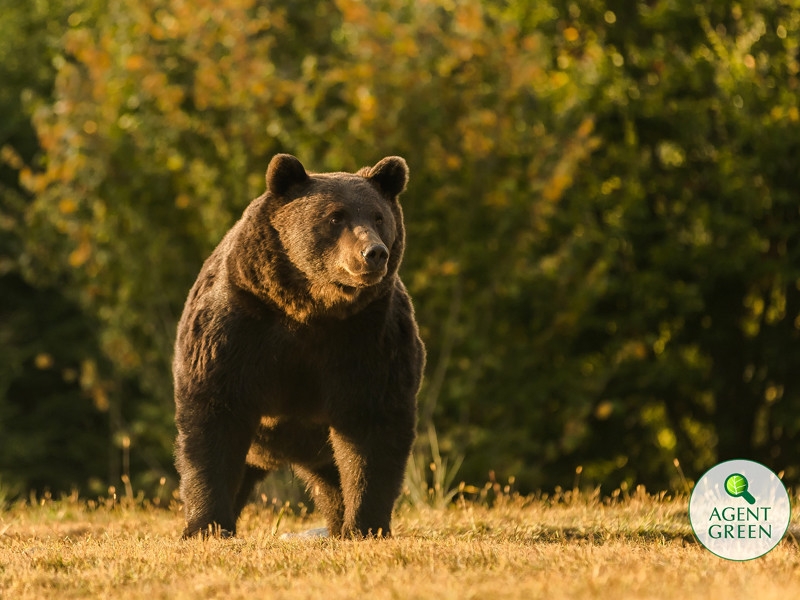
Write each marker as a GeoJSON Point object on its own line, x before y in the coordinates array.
{"type": "Point", "coordinates": [602, 535]}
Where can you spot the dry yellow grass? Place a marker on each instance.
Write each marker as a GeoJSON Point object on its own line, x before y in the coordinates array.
{"type": "Point", "coordinates": [569, 547]}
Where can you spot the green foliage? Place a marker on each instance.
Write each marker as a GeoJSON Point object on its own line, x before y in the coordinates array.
{"type": "Point", "coordinates": [430, 480]}
{"type": "Point", "coordinates": [53, 435]}
{"type": "Point", "coordinates": [691, 212]}
{"type": "Point", "coordinates": [45, 411]}
{"type": "Point", "coordinates": [603, 224]}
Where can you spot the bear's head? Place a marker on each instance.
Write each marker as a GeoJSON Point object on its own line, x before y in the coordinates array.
{"type": "Point", "coordinates": [340, 236]}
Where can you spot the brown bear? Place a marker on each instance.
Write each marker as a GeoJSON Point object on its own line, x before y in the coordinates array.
{"type": "Point", "coordinates": [298, 346]}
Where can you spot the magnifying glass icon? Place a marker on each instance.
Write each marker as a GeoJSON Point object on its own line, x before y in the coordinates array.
{"type": "Point", "coordinates": [736, 485]}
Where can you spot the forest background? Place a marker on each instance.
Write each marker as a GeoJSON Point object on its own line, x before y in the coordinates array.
{"type": "Point", "coordinates": [603, 219]}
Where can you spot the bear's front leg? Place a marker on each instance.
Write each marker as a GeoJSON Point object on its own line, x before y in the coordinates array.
{"type": "Point", "coordinates": [372, 466]}
{"type": "Point", "coordinates": [210, 458]}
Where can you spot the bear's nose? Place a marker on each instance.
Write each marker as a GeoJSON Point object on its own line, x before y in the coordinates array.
{"type": "Point", "coordinates": [375, 256]}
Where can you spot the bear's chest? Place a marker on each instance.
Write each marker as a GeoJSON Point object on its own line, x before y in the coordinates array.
{"type": "Point", "coordinates": [310, 370]}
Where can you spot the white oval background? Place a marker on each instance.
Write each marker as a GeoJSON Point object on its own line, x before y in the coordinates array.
{"type": "Point", "coordinates": [766, 488]}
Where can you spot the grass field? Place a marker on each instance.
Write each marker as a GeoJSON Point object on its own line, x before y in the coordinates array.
{"type": "Point", "coordinates": [568, 546]}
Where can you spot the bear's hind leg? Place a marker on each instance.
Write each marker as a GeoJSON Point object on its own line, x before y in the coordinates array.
{"type": "Point", "coordinates": [325, 487]}
{"type": "Point", "coordinates": [252, 475]}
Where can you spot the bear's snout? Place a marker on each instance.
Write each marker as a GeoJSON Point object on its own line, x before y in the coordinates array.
{"type": "Point", "coordinates": [376, 256]}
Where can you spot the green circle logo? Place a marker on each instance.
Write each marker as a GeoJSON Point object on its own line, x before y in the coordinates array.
{"type": "Point", "coordinates": [739, 510]}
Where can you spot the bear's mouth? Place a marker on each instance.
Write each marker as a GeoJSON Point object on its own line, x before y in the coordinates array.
{"type": "Point", "coordinates": [362, 279]}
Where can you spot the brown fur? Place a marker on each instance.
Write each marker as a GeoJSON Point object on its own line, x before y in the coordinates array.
{"type": "Point", "coordinates": [298, 346]}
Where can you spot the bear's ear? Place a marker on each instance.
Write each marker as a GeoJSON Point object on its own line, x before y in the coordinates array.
{"type": "Point", "coordinates": [283, 172]}
{"type": "Point", "coordinates": [390, 175]}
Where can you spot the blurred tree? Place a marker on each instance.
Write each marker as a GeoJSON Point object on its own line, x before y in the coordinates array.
{"type": "Point", "coordinates": [165, 114]}
{"type": "Point", "coordinates": [47, 345]}
{"type": "Point", "coordinates": [687, 228]}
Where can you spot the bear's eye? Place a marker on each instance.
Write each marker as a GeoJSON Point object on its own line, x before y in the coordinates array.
{"type": "Point", "coordinates": [336, 218]}
{"type": "Point", "coordinates": [379, 219]}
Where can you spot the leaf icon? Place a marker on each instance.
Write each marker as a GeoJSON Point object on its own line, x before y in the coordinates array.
{"type": "Point", "coordinates": [736, 485]}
